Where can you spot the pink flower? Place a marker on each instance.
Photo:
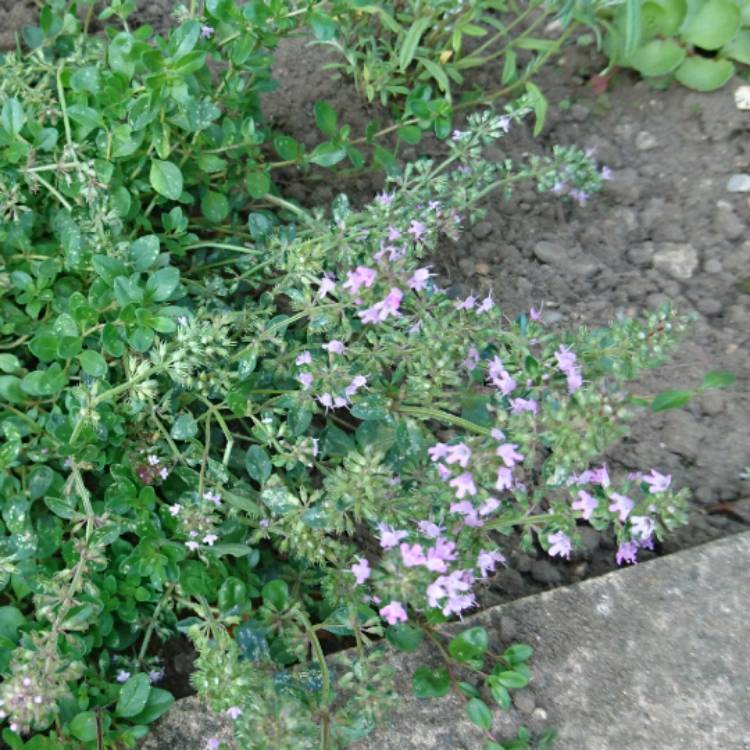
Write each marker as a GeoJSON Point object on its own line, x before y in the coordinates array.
{"type": "Point", "coordinates": [505, 383]}
{"type": "Point", "coordinates": [393, 613]}
{"type": "Point", "coordinates": [622, 505]}
{"type": "Point", "coordinates": [472, 359]}
{"type": "Point", "coordinates": [486, 305]}
{"type": "Point", "coordinates": [560, 545]}
{"type": "Point", "coordinates": [325, 285]}
{"type": "Point", "coordinates": [486, 561]}
{"type": "Point", "coordinates": [334, 347]}
{"type": "Point", "coordinates": [305, 379]}
{"type": "Point", "coordinates": [504, 479]}
{"type": "Point", "coordinates": [456, 588]}
{"type": "Point", "coordinates": [234, 712]}
{"type": "Point", "coordinates": [469, 512]}
{"type": "Point", "coordinates": [467, 304]}
{"type": "Point", "coordinates": [600, 476]}
{"type": "Point", "coordinates": [565, 358]}
{"type": "Point", "coordinates": [444, 472]}
{"type": "Point", "coordinates": [381, 310]}
{"type": "Point", "coordinates": [361, 570]}
{"type": "Point", "coordinates": [463, 484]}
{"type": "Point", "coordinates": [497, 434]}
{"type": "Point", "coordinates": [535, 315]}
{"type": "Point", "coordinates": [519, 405]}
{"type": "Point", "coordinates": [575, 379]}
{"type": "Point", "coordinates": [627, 552]}
{"type": "Point", "coordinates": [442, 553]}
{"type": "Point", "coordinates": [326, 399]}
{"type": "Point", "coordinates": [490, 505]}
{"type": "Point", "coordinates": [390, 537]}
{"type": "Point", "coordinates": [412, 555]}
{"type": "Point", "coordinates": [459, 453]}
{"type": "Point", "coordinates": [304, 359]}
{"type": "Point", "coordinates": [418, 281]}
{"type": "Point", "coordinates": [175, 509]}
{"type": "Point", "coordinates": [393, 234]}
{"type": "Point", "coordinates": [657, 482]}
{"type": "Point", "coordinates": [358, 381]}
{"type": "Point", "coordinates": [212, 497]}
{"type": "Point", "coordinates": [207, 32]}
{"type": "Point", "coordinates": [209, 539]}
{"type": "Point", "coordinates": [192, 546]}
{"type": "Point", "coordinates": [438, 451]}
{"type": "Point", "coordinates": [361, 276]}
{"type": "Point", "coordinates": [385, 199]}
{"type": "Point", "coordinates": [586, 503]}
{"type": "Point", "coordinates": [509, 454]}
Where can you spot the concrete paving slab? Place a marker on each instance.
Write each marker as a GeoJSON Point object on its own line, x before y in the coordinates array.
{"type": "Point", "coordinates": [653, 656]}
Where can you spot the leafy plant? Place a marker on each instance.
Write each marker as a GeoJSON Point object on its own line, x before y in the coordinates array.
{"type": "Point", "coordinates": [697, 44]}
{"type": "Point", "coordinates": [263, 425]}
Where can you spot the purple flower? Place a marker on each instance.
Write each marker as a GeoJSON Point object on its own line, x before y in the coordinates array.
{"type": "Point", "coordinates": [657, 482]}
{"type": "Point", "coordinates": [412, 555]}
{"type": "Point", "coordinates": [213, 744]}
{"type": "Point", "coordinates": [565, 358]}
{"type": "Point", "coordinates": [579, 196]}
{"type": "Point", "coordinates": [122, 675]}
{"type": "Point", "coordinates": [463, 484]}
{"type": "Point", "coordinates": [209, 539]}
{"type": "Point", "coordinates": [560, 545]}
{"type": "Point", "coordinates": [234, 712]}
{"type": "Point", "coordinates": [600, 476]}
{"type": "Point", "coordinates": [393, 613]}
{"type": "Point", "coordinates": [497, 434]}
{"type": "Point", "coordinates": [155, 675]}
{"type": "Point", "coordinates": [303, 359]}
{"type": "Point", "coordinates": [390, 537]}
{"type": "Point", "coordinates": [504, 123]}
{"type": "Point", "coordinates": [381, 310]}
{"type": "Point", "coordinates": [444, 472]}
{"type": "Point", "coordinates": [438, 451]}
{"type": "Point", "coordinates": [621, 504]}
{"type": "Point", "coordinates": [459, 453]}
{"type": "Point", "coordinates": [472, 359]}
{"type": "Point", "coordinates": [361, 276]}
{"type": "Point", "coordinates": [418, 280]}
{"type": "Point", "coordinates": [207, 32]}
{"type": "Point", "coordinates": [393, 234]}
{"type": "Point", "coordinates": [520, 405]}
{"type": "Point", "coordinates": [334, 347]}
{"type": "Point", "coordinates": [627, 552]}
{"type": "Point", "coordinates": [466, 304]}
{"type": "Point", "coordinates": [535, 315]}
{"type": "Point", "coordinates": [305, 379]}
{"type": "Point", "coordinates": [361, 570]}
{"type": "Point", "coordinates": [153, 460]}
{"type": "Point", "coordinates": [325, 285]}
{"type": "Point", "coordinates": [456, 588]}
{"type": "Point", "coordinates": [643, 527]}
{"type": "Point", "coordinates": [385, 199]}
{"type": "Point", "coordinates": [192, 546]}
{"type": "Point", "coordinates": [586, 503]}
{"type": "Point", "coordinates": [417, 229]}
{"type": "Point", "coordinates": [469, 512]}
{"type": "Point", "coordinates": [430, 529]}
{"type": "Point", "coordinates": [490, 505]}
{"type": "Point", "coordinates": [212, 497]}
{"type": "Point", "coordinates": [486, 305]}
{"type": "Point", "coordinates": [486, 561]}
{"type": "Point", "coordinates": [326, 399]}
{"type": "Point", "coordinates": [443, 552]}
{"type": "Point", "coordinates": [175, 509]}
{"type": "Point", "coordinates": [504, 479]}
{"type": "Point", "coordinates": [358, 381]}
{"type": "Point", "coordinates": [509, 454]}
{"type": "Point", "coordinates": [606, 174]}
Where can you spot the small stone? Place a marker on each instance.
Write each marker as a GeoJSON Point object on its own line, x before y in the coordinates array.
{"type": "Point", "coordinates": [645, 141]}
{"type": "Point", "coordinates": [727, 222]}
{"type": "Point", "coordinates": [539, 714]}
{"type": "Point", "coordinates": [590, 539]}
{"type": "Point", "coordinates": [641, 255]}
{"type": "Point", "coordinates": [713, 265]}
{"type": "Point", "coordinates": [709, 305]}
{"type": "Point", "coordinates": [712, 403]}
{"type": "Point", "coordinates": [467, 266]}
{"type": "Point", "coordinates": [550, 252]}
{"type": "Point", "coordinates": [510, 581]}
{"type": "Point", "coordinates": [625, 186]}
{"type": "Point", "coordinates": [482, 269]}
{"type": "Point", "coordinates": [677, 260]}
{"type": "Point", "coordinates": [739, 183]}
{"type": "Point", "coordinates": [482, 229]}
{"type": "Point", "coordinates": [522, 562]}
{"type": "Point", "coordinates": [543, 571]}
{"type": "Point", "coordinates": [524, 701]}
{"type": "Point", "coordinates": [508, 628]}
{"type": "Point", "coordinates": [742, 97]}
{"type": "Point", "coordinates": [579, 113]}
{"type": "Point", "coordinates": [550, 317]}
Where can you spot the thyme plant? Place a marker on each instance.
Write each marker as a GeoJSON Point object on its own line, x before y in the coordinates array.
{"type": "Point", "coordinates": [264, 425]}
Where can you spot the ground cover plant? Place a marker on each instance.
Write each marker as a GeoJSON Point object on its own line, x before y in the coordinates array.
{"type": "Point", "coordinates": [267, 426]}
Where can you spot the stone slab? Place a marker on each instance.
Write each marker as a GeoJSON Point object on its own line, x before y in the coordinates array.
{"type": "Point", "coordinates": [653, 656]}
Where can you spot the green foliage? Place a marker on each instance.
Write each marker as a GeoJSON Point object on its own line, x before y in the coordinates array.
{"type": "Point", "coordinates": [204, 432]}
{"type": "Point", "coordinates": [696, 43]}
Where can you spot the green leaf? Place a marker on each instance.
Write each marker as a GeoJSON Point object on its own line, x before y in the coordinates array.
{"type": "Point", "coordinates": [44, 346]}
{"type": "Point", "coordinates": [166, 179]}
{"type": "Point", "coordinates": [258, 184]}
{"type": "Point", "coordinates": [670, 400]}
{"type": "Point", "coordinates": [436, 72]}
{"type": "Point", "coordinates": [40, 479]}
{"type": "Point", "coordinates": [430, 683]}
{"type": "Point", "coordinates": [658, 57]}
{"type": "Point", "coordinates": [702, 74]}
{"type": "Point", "coordinates": [163, 283]}
{"type": "Point", "coordinates": [412, 134]}
{"type": "Point", "coordinates": [469, 645]}
{"type": "Point", "coordinates": [83, 726]}
{"type": "Point", "coordinates": [719, 379]}
{"type": "Point", "coordinates": [11, 619]}
{"type": "Point", "coordinates": [511, 679]}
{"type": "Point", "coordinates": [278, 499]}
{"type": "Point", "coordinates": [500, 694]}
{"type": "Point", "coordinates": [325, 118]}
{"type": "Point", "coordinates": [215, 206]}
{"type": "Point", "coordinates": [93, 363]}
{"type": "Point", "coordinates": [12, 116]}
{"type": "Point", "coordinates": [276, 594]}
{"type": "Point", "coordinates": [133, 696]}
{"type": "Point", "coordinates": [738, 48]}
{"type": "Point", "coordinates": [258, 464]}
{"type": "Point", "coordinates": [662, 17]}
{"type": "Point", "coordinates": [539, 104]}
{"type": "Point", "coordinates": [144, 251]}
{"type": "Point", "coordinates": [479, 714]}
{"type": "Point", "coordinates": [713, 25]}
{"type": "Point", "coordinates": [632, 26]}
{"type": "Point", "coordinates": [518, 653]}
{"type": "Point", "coordinates": [159, 701]}
{"type": "Point", "coordinates": [404, 637]}
{"type": "Point", "coordinates": [184, 427]}
{"type": "Point", "coordinates": [327, 154]}
{"type": "Point", "coordinates": [323, 26]}
{"type": "Point", "coordinates": [230, 548]}
{"type": "Point", "coordinates": [286, 147]}
{"type": "Point", "coordinates": [410, 42]}
{"type": "Point", "coordinates": [9, 363]}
